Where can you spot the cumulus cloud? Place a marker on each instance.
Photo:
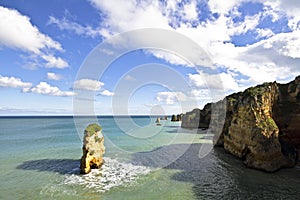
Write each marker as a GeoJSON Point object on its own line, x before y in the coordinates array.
{"type": "Point", "coordinates": [54, 62]}
{"type": "Point", "coordinates": [170, 98]}
{"type": "Point", "coordinates": [31, 40]}
{"type": "Point", "coordinates": [200, 94]}
{"type": "Point", "coordinates": [13, 82]}
{"type": "Point", "coordinates": [222, 7]}
{"type": "Point", "coordinates": [53, 76]}
{"type": "Point", "coordinates": [169, 57]}
{"type": "Point", "coordinates": [42, 88]}
{"type": "Point", "coordinates": [262, 58]}
{"type": "Point", "coordinates": [140, 14]}
{"type": "Point", "coordinates": [190, 99]}
{"type": "Point", "coordinates": [265, 32]}
{"type": "Point", "coordinates": [292, 10]}
{"type": "Point", "coordinates": [88, 84]}
{"type": "Point", "coordinates": [267, 59]}
{"type": "Point", "coordinates": [46, 89]}
{"type": "Point", "coordinates": [215, 81]}
{"type": "Point", "coordinates": [107, 93]}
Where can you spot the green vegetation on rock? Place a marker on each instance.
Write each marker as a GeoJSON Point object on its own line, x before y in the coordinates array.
{"type": "Point", "coordinates": [271, 123]}
{"type": "Point", "coordinates": [92, 129]}
{"type": "Point", "coordinates": [93, 149]}
{"type": "Point", "coordinates": [97, 139]}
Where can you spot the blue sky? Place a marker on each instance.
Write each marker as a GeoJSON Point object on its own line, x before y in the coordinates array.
{"type": "Point", "coordinates": [43, 45]}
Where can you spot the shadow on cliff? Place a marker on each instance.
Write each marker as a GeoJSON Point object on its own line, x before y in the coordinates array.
{"type": "Point", "coordinates": [219, 175]}
{"type": "Point", "coordinates": [61, 166]}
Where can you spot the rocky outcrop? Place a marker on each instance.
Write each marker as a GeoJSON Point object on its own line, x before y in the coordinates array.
{"type": "Point", "coordinates": [173, 118]}
{"type": "Point", "coordinates": [197, 118]}
{"type": "Point", "coordinates": [157, 120]}
{"type": "Point", "coordinates": [262, 125]}
{"type": "Point", "coordinates": [93, 149]}
{"type": "Point", "coordinates": [176, 118]}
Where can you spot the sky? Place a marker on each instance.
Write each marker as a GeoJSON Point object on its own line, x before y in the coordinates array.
{"type": "Point", "coordinates": [45, 44]}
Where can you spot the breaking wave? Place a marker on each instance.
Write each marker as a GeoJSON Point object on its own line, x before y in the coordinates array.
{"type": "Point", "coordinates": [112, 174]}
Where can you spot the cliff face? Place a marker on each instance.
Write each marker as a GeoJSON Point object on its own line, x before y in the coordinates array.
{"type": "Point", "coordinates": [93, 149]}
{"type": "Point", "coordinates": [262, 125]}
{"type": "Point", "coordinates": [197, 118]}
{"type": "Point", "coordinates": [287, 115]}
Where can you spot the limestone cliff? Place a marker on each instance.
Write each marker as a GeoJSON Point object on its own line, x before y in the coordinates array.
{"type": "Point", "coordinates": [287, 116]}
{"type": "Point", "coordinates": [262, 125]}
{"type": "Point", "coordinates": [93, 149]}
{"type": "Point", "coordinates": [197, 118]}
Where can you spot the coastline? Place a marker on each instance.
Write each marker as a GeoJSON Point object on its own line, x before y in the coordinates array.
{"type": "Point", "coordinates": [46, 153]}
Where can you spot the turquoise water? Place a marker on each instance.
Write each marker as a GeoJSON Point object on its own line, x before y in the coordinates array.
{"type": "Point", "coordinates": [40, 160]}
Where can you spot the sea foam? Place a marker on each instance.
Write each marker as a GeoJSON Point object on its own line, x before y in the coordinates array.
{"type": "Point", "coordinates": [112, 174]}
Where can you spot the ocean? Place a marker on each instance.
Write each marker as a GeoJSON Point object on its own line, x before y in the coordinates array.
{"type": "Point", "coordinates": [40, 159]}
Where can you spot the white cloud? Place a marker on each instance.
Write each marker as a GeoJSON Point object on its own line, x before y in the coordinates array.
{"type": "Point", "coordinates": [265, 32]}
{"type": "Point", "coordinates": [140, 14]}
{"type": "Point", "coordinates": [276, 58]}
{"type": "Point", "coordinates": [200, 94]}
{"type": "Point", "coordinates": [292, 9]}
{"type": "Point", "coordinates": [197, 80]}
{"type": "Point", "coordinates": [215, 81]}
{"type": "Point", "coordinates": [169, 57]}
{"type": "Point", "coordinates": [41, 88]}
{"type": "Point", "coordinates": [188, 99]}
{"type": "Point", "coordinates": [13, 23]}
{"type": "Point", "coordinates": [54, 62]}
{"type": "Point", "coordinates": [53, 76]}
{"type": "Point", "coordinates": [13, 82]}
{"type": "Point", "coordinates": [248, 24]}
{"type": "Point", "coordinates": [65, 24]}
{"type": "Point", "coordinates": [88, 84]}
{"type": "Point", "coordinates": [261, 61]}
{"type": "Point", "coordinates": [222, 7]}
{"type": "Point", "coordinates": [190, 11]}
{"type": "Point", "coordinates": [129, 78]}
{"type": "Point", "coordinates": [107, 93]}
{"type": "Point", "coordinates": [46, 89]}
{"type": "Point", "coordinates": [170, 98]}
{"type": "Point", "coordinates": [17, 32]}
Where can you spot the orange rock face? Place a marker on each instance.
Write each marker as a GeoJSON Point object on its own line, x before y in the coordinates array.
{"type": "Point", "coordinates": [93, 149]}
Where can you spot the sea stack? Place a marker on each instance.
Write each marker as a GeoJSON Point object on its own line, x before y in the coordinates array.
{"type": "Point", "coordinates": [157, 120]}
{"type": "Point", "coordinates": [93, 149]}
{"type": "Point", "coordinates": [176, 118]}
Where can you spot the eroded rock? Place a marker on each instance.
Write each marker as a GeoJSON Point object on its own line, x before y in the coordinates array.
{"type": "Point", "coordinates": [176, 118]}
{"type": "Point", "coordinates": [262, 125]}
{"type": "Point", "coordinates": [93, 149]}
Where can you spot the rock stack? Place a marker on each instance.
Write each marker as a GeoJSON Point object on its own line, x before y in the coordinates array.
{"type": "Point", "coordinates": [93, 149]}
{"type": "Point", "coordinates": [157, 120]}
{"type": "Point", "coordinates": [176, 118]}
